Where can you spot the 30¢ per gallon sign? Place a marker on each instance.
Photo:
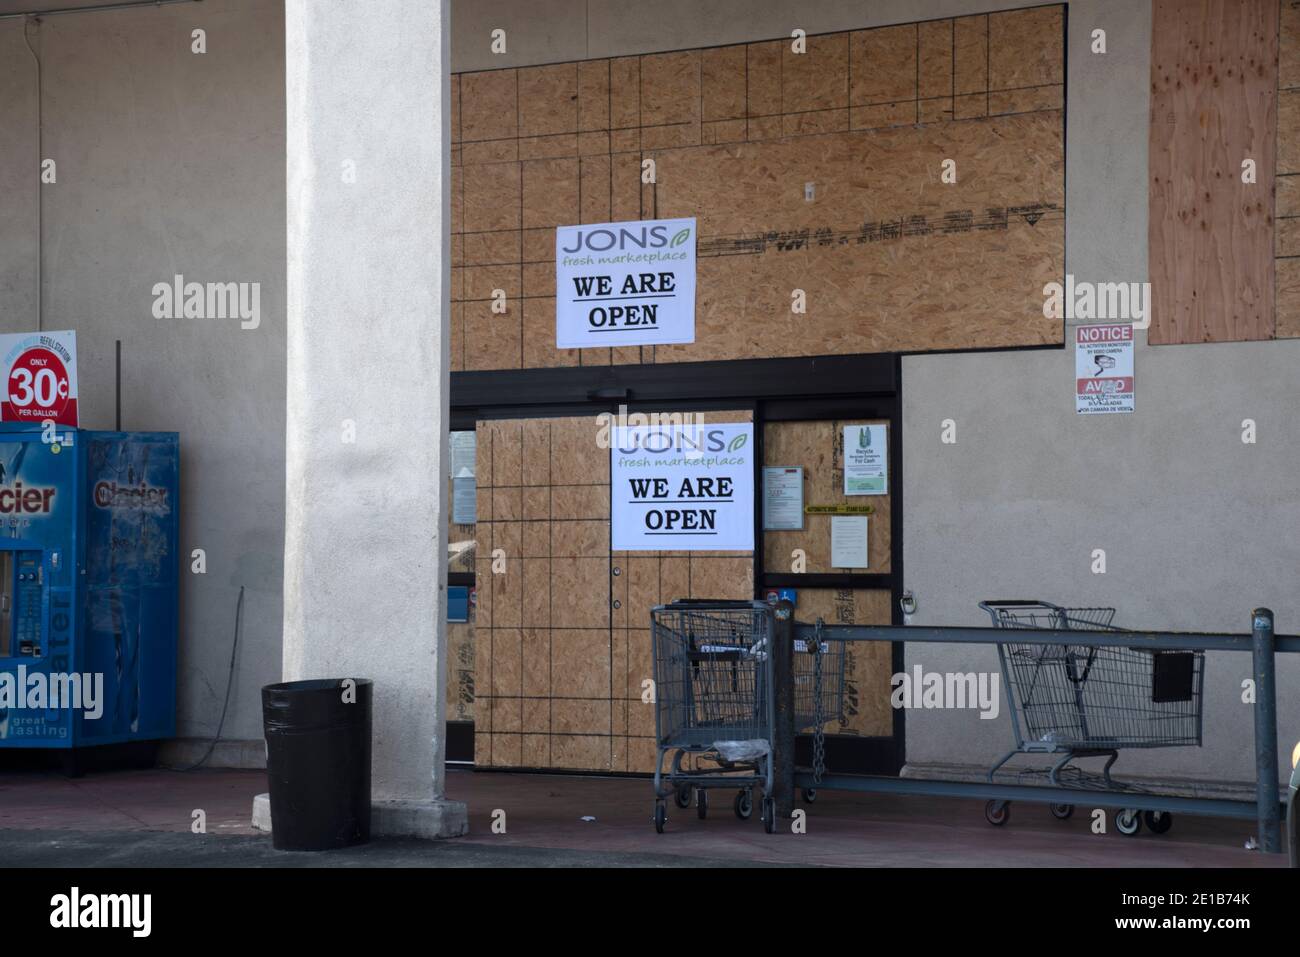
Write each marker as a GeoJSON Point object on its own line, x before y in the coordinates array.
{"type": "Point", "coordinates": [682, 488]}
{"type": "Point", "coordinates": [40, 370]}
{"type": "Point", "coordinates": [1103, 368]}
{"type": "Point", "coordinates": [625, 284]}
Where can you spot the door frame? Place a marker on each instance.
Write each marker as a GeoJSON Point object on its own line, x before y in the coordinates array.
{"type": "Point", "coordinates": [848, 754]}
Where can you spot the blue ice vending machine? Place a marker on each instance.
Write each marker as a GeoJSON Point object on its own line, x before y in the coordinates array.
{"type": "Point", "coordinates": [88, 569]}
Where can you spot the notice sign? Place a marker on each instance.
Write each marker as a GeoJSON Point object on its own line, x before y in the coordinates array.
{"type": "Point", "coordinates": [41, 375]}
{"type": "Point", "coordinates": [1103, 368]}
{"type": "Point", "coordinates": [682, 488]}
{"type": "Point", "coordinates": [782, 498]}
{"type": "Point", "coordinates": [849, 541]}
{"type": "Point", "coordinates": [866, 460]}
{"type": "Point", "coordinates": [625, 284]}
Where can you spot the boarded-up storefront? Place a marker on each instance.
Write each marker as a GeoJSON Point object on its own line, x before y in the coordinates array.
{"type": "Point", "coordinates": [822, 184]}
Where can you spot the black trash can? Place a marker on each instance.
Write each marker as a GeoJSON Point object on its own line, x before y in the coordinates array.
{"type": "Point", "coordinates": [318, 762]}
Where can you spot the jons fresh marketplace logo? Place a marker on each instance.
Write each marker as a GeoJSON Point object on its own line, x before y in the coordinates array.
{"type": "Point", "coordinates": [605, 240]}
{"type": "Point", "coordinates": [112, 495]}
{"type": "Point", "coordinates": [689, 441]}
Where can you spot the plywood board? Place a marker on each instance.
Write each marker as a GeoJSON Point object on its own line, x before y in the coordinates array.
{"type": "Point", "coordinates": [542, 643]}
{"type": "Point", "coordinates": [1214, 75]}
{"type": "Point", "coordinates": [565, 690]}
{"type": "Point", "coordinates": [818, 448]}
{"type": "Point", "coordinates": [736, 132]}
{"type": "Point", "coordinates": [868, 664]}
{"type": "Point", "coordinates": [647, 579]}
{"type": "Point", "coordinates": [561, 642]}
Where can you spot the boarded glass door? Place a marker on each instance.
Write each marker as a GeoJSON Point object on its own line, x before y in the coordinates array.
{"type": "Point", "coordinates": [562, 636]}
{"type": "Point", "coordinates": [864, 737]}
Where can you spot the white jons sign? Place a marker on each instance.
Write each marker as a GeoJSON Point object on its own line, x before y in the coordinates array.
{"type": "Point", "coordinates": [682, 488]}
{"type": "Point", "coordinates": [625, 284]}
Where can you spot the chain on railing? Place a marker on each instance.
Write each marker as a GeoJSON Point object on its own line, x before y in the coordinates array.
{"type": "Point", "coordinates": [819, 717]}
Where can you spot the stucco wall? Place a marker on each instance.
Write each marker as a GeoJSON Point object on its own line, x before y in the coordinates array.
{"type": "Point", "coordinates": [169, 162]}
{"type": "Point", "coordinates": [1197, 527]}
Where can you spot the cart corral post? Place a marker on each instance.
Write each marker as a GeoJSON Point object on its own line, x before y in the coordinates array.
{"type": "Point", "coordinates": [1266, 793]}
{"type": "Point", "coordinates": [784, 728]}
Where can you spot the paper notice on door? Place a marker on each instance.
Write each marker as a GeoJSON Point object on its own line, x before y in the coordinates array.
{"type": "Point", "coordinates": [782, 498]}
{"type": "Point", "coordinates": [866, 460]}
{"type": "Point", "coordinates": [848, 541]}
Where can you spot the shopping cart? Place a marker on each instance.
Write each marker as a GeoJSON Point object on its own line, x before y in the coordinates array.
{"type": "Point", "coordinates": [1082, 701]}
{"type": "Point", "coordinates": [718, 695]}
{"type": "Point", "coordinates": [713, 704]}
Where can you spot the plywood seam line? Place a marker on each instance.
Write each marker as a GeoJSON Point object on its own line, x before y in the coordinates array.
{"type": "Point", "coordinates": [1286, 254]}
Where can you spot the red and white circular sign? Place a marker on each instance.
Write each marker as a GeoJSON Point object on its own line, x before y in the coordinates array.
{"type": "Point", "coordinates": [39, 387]}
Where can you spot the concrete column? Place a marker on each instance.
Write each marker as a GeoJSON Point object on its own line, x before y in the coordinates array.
{"type": "Point", "coordinates": [367, 131]}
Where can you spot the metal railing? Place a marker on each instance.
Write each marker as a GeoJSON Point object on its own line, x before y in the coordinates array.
{"type": "Point", "coordinates": [1262, 643]}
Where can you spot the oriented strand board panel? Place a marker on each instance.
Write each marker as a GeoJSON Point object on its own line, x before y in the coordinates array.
{"type": "Point", "coordinates": [867, 117]}
{"type": "Point", "coordinates": [1287, 196]}
{"type": "Point", "coordinates": [562, 629]}
{"type": "Point", "coordinates": [542, 635]}
{"type": "Point", "coordinates": [646, 579]}
{"type": "Point", "coordinates": [867, 665]}
{"type": "Point", "coordinates": [1214, 104]}
{"type": "Point", "coordinates": [818, 447]}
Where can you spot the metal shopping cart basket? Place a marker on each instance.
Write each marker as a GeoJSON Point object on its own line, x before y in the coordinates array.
{"type": "Point", "coordinates": [1081, 701]}
{"type": "Point", "coordinates": [713, 703]}
{"type": "Point", "coordinates": [714, 708]}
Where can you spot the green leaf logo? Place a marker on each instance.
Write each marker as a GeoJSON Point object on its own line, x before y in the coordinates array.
{"type": "Point", "coordinates": [681, 237]}
{"type": "Point", "coordinates": [737, 442]}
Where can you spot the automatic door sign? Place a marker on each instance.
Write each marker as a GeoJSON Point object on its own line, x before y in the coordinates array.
{"type": "Point", "coordinates": [41, 377]}
{"type": "Point", "coordinates": [1103, 368]}
{"type": "Point", "coordinates": [625, 284]}
{"type": "Point", "coordinates": [683, 488]}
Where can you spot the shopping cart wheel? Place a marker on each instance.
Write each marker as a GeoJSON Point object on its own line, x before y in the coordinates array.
{"type": "Point", "coordinates": [702, 803]}
{"type": "Point", "coordinates": [769, 815]}
{"type": "Point", "coordinates": [1158, 822]}
{"type": "Point", "coordinates": [809, 795]}
{"type": "Point", "coordinates": [1062, 812]}
{"type": "Point", "coordinates": [1128, 821]}
{"type": "Point", "coordinates": [661, 816]}
{"type": "Point", "coordinates": [997, 812]}
{"type": "Point", "coordinates": [683, 796]}
{"type": "Point", "coordinates": [744, 804]}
